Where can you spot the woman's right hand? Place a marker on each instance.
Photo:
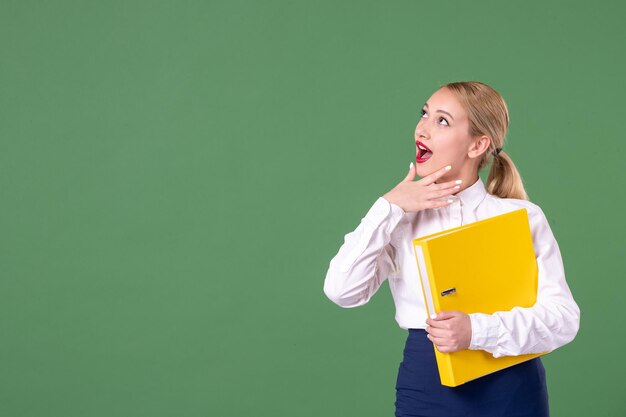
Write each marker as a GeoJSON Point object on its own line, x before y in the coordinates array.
{"type": "Point", "coordinates": [414, 196]}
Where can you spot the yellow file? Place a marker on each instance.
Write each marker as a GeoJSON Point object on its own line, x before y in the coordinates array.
{"type": "Point", "coordinates": [481, 267]}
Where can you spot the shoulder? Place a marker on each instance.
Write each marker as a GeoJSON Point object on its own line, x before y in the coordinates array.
{"type": "Point", "coordinates": [536, 216]}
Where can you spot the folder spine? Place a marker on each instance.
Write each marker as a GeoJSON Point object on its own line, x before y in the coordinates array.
{"type": "Point", "coordinates": [446, 371]}
{"type": "Point", "coordinates": [431, 301]}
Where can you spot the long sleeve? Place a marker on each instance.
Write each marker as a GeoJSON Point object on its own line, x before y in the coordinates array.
{"type": "Point", "coordinates": [551, 322]}
{"type": "Point", "coordinates": [365, 258]}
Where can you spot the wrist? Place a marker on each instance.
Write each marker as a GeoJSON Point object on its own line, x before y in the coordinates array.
{"type": "Point", "coordinates": [390, 198]}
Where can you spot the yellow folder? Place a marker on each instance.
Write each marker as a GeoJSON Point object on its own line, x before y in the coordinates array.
{"type": "Point", "coordinates": [481, 267]}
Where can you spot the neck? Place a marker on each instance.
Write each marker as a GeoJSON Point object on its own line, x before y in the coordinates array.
{"type": "Point", "coordinates": [467, 183]}
{"type": "Point", "coordinates": [468, 179]}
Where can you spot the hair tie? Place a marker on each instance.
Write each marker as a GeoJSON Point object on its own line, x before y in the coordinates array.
{"type": "Point", "coordinates": [497, 151]}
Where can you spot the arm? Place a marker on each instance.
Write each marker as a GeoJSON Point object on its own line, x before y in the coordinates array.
{"type": "Point", "coordinates": [365, 258]}
{"type": "Point", "coordinates": [551, 322]}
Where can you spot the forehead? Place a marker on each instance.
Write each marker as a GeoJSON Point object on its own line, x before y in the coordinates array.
{"type": "Point", "coordinates": [444, 99]}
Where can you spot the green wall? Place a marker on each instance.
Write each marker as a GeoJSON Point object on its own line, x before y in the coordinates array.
{"type": "Point", "coordinates": [176, 176]}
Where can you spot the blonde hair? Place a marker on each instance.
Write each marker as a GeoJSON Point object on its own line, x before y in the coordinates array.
{"type": "Point", "coordinates": [488, 115]}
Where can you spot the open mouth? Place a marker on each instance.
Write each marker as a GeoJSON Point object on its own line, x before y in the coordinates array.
{"type": "Point", "coordinates": [423, 153]}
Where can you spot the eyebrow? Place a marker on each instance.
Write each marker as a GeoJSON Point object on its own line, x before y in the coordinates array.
{"type": "Point", "coordinates": [441, 111]}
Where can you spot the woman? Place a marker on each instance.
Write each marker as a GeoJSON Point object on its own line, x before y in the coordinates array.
{"type": "Point", "coordinates": [462, 126]}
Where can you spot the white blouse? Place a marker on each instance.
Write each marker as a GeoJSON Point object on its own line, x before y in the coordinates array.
{"type": "Point", "coordinates": [381, 248]}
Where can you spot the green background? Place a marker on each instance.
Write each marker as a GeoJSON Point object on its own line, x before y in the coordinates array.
{"type": "Point", "coordinates": [176, 176]}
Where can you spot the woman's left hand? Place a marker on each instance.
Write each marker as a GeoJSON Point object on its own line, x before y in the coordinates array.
{"type": "Point", "coordinates": [450, 331]}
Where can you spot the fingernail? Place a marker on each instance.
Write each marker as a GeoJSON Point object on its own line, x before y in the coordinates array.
{"type": "Point", "coordinates": [449, 167]}
{"type": "Point", "coordinates": [434, 316]}
{"type": "Point", "coordinates": [458, 181]}
{"type": "Point", "coordinates": [411, 165]}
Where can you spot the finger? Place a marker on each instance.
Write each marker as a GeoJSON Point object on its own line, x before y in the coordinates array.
{"type": "Point", "coordinates": [429, 179]}
{"type": "Point", "coordinates": [435, 204]}
{"type": "Point", "coordinates": [447, 314]}
{"type": "Point", "coordinates": [445, 349]}
{"type": "Point", "coordinates": [411, 175]}
{"type": "Point", "coordinates": [440, 324]}
{"type": "Point", "coordinates": [437, 332]}
{"type": "Point", "coordinates": [444, 185]}
{"type": "Point", "coordinates": [443, 193]}
{"type": "Point", "coordinates": [439, 341]}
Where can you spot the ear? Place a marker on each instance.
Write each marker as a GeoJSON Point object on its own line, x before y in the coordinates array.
{"type": "Point", "coordinates": [479, 146]}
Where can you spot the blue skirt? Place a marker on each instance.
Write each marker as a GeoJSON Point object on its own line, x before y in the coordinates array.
{"type": "Point", "coordinates": [519, 390]}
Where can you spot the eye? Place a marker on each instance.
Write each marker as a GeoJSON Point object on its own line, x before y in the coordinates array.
{"type": "Point", "coordinates": [423, 112]}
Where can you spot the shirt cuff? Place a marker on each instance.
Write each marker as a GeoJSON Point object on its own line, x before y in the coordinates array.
{"type": "Point", "coordinates": [396, 210]}
{"type": "Point", "coordinates": [485, 330]}
{"type": "Point", "coordinates": [383, 210]}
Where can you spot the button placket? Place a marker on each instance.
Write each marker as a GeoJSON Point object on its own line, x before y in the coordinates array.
{"type": "Point", "coordinates": [455, 213]}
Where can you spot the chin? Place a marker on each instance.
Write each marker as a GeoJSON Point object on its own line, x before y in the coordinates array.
{"type": "Point", "coordinates": [425, 168]}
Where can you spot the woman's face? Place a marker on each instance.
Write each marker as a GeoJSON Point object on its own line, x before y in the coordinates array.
{"type": "Point", "coordinates": [443, 128]}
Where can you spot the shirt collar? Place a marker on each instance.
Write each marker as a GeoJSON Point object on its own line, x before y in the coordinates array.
{"type": "Point", "coordinates": [473, 195]}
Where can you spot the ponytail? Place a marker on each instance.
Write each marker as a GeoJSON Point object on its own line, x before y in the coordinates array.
{"type": "Point", "coordinates": [504, 179]}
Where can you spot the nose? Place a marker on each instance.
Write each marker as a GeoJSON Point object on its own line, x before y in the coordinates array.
{"type": "Point", "coordinates": [421, 131]}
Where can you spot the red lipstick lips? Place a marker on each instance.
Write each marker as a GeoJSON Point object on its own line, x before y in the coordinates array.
{"type": "Point", "coordinates": [423, 153]}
